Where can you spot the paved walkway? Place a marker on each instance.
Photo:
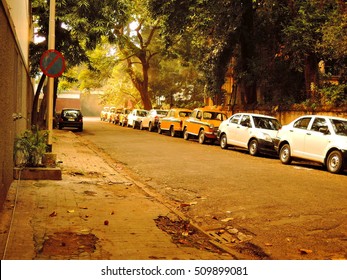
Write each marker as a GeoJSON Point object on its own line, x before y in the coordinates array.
{"type": "Point", "coordinates": [93, 213]}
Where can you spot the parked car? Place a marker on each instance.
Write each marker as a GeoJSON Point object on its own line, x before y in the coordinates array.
{"type": "Point", "coordinates": [253, 132]}
{"type": "Point", "coordinates": [115, 116]}
{"type": "Point", "coordinates": [152, 119]}
{"type": "Point", "coordinates": [71, 118]}
{"type": "Point", "coordinates": [173, 122]}
{"type": "Point", "coordinates": [123, 116]}
{"type": "Point", "coordinates": [135, 117]}
{"type": "Point", "coordinates": [321, 139]}
{"type": "Point", "coordinates": [103, 113]}
{"type": "Point", "coordinates": [110, 114]}
{"type": "Point", "coordinates": [203, 123]}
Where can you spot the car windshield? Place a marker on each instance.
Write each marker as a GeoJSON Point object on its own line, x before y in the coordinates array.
{"type": "Point", "coordinates": [340, 126]}
{"type": "Point", "coordinates": [214, 116]}
{"type": "Point", "coordinates": [266, 123]}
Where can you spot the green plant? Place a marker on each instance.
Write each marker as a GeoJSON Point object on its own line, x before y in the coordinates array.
{"type": "Point", "coordinates": [30, 147]}
{"type": "Point", "coordinates": [334, 94]}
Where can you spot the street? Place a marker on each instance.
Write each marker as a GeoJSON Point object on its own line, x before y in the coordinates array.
{"type": "Point", "coordinates": [258, 206]}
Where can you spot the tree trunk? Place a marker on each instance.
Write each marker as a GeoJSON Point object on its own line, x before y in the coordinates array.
{"type": "Point", "coordinates": [247, 88]}
{"type": "Point", "coordinates": [147, 104]}
{"type": "Point", "coordinates": [34, 111]}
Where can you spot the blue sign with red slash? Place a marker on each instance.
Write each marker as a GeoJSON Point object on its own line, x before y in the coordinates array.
{"type": "Point", "coordinates": [52, 63]}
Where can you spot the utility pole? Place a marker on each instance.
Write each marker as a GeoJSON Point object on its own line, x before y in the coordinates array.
{"type": "Point", "coordinates": [51, 46]}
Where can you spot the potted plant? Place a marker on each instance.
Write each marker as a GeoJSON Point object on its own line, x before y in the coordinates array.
{"type": "Point", "coordinates": [30, 147]}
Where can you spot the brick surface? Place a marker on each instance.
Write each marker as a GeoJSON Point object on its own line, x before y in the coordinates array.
{"type": "Point", "coordinates": [93, 213]}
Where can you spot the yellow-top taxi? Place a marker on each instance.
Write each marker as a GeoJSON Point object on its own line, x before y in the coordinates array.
{"type": "Point", "coordinates": [203, 123]}
{"type": "Point", "coordinates": [173, 122]}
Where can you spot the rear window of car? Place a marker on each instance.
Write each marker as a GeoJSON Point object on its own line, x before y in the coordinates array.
{"type": "Point", "coordinates": [266, 123]}
{"type": "Point", "coordinates": [71, 113]}
{"type": "Point", "coordinates": [214, 116]}
{"type": "Point", "coordinates": [184, 114]}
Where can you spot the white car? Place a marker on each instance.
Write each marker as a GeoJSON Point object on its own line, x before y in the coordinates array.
{"type": "Point", "coordinates": [321, 139]}
{"type": "Point", "coordinates": [152, 119]}
{"type": "Point", "coordinates": [135, 117]}
{"type": "Point", "coordinates": [254, 132]}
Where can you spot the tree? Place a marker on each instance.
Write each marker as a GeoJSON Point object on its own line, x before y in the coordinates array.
{"type": "Point", "coordinates": [275, 45]}
{"type": "Point", "coordinates": [79, 26]}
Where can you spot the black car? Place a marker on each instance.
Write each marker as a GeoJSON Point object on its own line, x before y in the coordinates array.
{"type": "Point", "coordinates": [71, 118]}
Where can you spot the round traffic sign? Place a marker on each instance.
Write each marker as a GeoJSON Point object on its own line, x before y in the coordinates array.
{"type": "Point", "coordinates": [52, 63]}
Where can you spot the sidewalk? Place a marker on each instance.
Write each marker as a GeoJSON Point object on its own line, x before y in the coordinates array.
{"type": "Point", "coordinates": [93, 213]}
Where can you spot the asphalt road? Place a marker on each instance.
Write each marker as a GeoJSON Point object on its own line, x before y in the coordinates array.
{"type": "Point", "coordinates": [262, 208]}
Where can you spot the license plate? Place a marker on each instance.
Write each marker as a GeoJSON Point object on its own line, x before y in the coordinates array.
{"type": "Point", "coordinates": [71, 120]}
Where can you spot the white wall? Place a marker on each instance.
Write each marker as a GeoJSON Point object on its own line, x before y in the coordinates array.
{"type": "Point", "coordinates": [21, 19]}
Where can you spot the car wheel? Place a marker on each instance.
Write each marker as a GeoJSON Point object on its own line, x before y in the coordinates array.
{"type": "Point", "coordinates": [172, 131]}
{"type": "Point", "coordinates": [134, 125]}
{"type": "Point", "coordinates": [60, 127]}
{"type": "Point", "coordinates": [335, 162]}
{"type": "Point", "coordinates": [253, 147]}
{"type": "Point", "coordinates": [159, 129]}
{"type": "Point", "coordinates": [141, 126]}
{"type": "Point", "coordinates": [202, 138]}
{"type": "Point", "coordinates": [223, 142]}
{"type": "Point", "coordinates": [150, 127]}
{"type": "Point", "coordinates": [285, 156]}
{"type": "Point", "coordinates": [185, 134]}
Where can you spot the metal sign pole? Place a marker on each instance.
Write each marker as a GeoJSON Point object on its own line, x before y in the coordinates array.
{"type": "Point", "coordinates": [51, 46]}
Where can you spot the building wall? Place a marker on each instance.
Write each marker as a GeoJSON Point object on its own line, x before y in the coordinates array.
{"type": "Point", "coordinates": [16, 91]}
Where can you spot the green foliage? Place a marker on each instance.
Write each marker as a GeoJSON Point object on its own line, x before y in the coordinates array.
{"type": "Point", "coordinates": [335, 95]}
{"type": "Point", "coordinates": [30, 147]}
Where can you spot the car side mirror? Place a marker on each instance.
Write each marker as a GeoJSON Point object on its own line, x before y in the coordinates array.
{"type": "Point", "coordinates": [324, 130]}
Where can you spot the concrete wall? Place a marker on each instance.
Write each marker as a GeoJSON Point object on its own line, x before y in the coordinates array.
{"type": "Point", "coordinates": [88, 103]}
{"type": "Point", "coordinates": [16, 92]}
{"type": "Point", "coordinates": [285, 116]}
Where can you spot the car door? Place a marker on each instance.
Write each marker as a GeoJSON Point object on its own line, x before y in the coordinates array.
{"type": "Point", "coordinates": [297, 135]}
{"type": "Point", "coordinates": [168, 120]}
{"type": "Point", "coordinates": [132, 117]}
{"type": "Point", "coordinates": [194, 122]}
{"type": "Point", "coordinates": [232, 128]}
{"type": "Point", "coordinates": [316, 141]}
{"type": "Point", "coordinates": [242, 131]}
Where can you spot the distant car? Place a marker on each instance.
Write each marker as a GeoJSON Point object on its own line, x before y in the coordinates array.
{"type": "Point", "coordinates": [173, 122]}
{"type": "Point", "coordinates": [321, 139]}
{"type": "Point", "coordinates": [203, 123]}
{"type": "Point", "coordinates": [71, 118]}
{"type": "Point", "coordinates": [253, 132]}
{"type": "Point", "coordinates": [152, 119]}
{"type": "Point", "coordinates": [103, 113]}
{"type": "Point", "coordinates": [115, 117]}
{"type": "Point", "coordinates": [123, 116]}
{"type": "Point", "coordinates": [135, 117]}
{"type": "Point", "coordinates": [110, 114]}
